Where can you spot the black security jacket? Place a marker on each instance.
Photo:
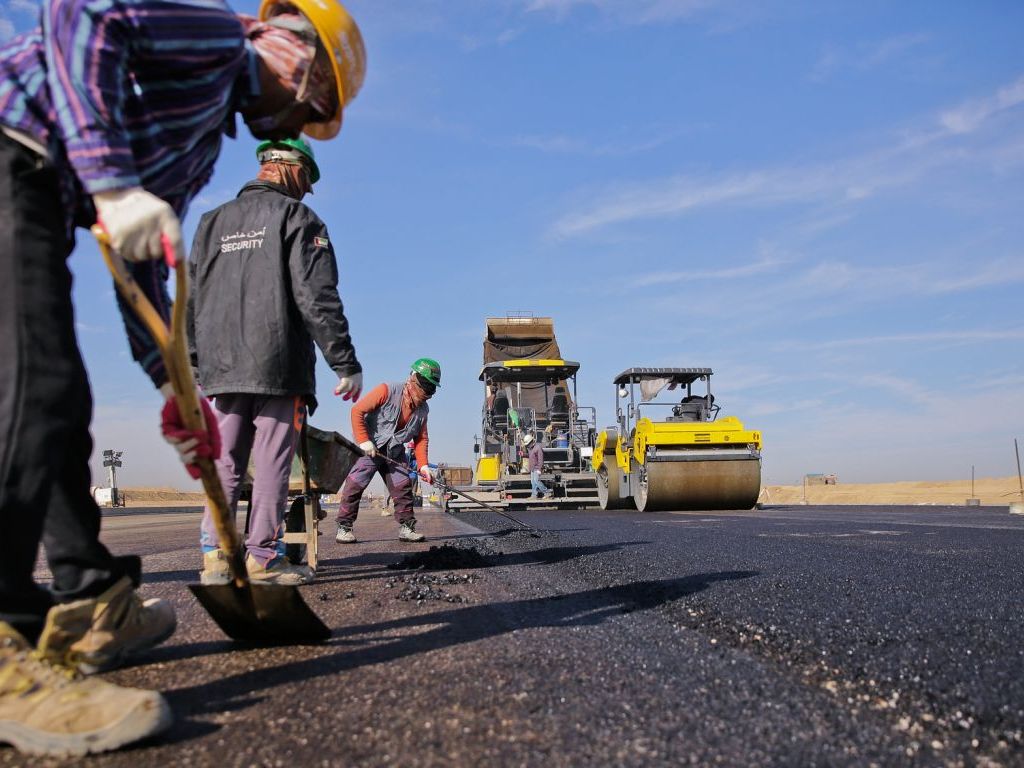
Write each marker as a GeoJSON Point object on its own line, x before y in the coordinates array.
{"type": "Point", "coordinates": [264, 287]}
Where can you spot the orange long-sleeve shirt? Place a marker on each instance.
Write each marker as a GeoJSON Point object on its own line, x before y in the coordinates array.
{"type": "Point", "coordinates": [373, 400]}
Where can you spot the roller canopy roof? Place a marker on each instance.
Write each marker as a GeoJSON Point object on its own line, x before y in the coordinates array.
{"type": "Point", "coordinates": [677, 375]}
{"type": "Point", "coordinates": [549, 371]}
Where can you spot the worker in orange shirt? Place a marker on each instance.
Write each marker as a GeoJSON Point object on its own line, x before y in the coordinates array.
{"type": "Point", "coordinates": [383, 421]}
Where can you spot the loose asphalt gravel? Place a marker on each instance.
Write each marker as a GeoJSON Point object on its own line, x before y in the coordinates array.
{"type": "Point", "coordinates": [789, 636]}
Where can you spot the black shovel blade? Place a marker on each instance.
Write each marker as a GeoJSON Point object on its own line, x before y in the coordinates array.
{"type": "Point", "coordinates": [267, 615]}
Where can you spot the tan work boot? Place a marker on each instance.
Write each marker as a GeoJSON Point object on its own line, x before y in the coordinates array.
{"type": "Point", "coordinates": [407, 532]}
{"type": "Point", "coordinates": [280, 573]}
{"type": "Point", "coordinates": [345, 535]}
{"type": "Point", "coordinates": [215, 568]}
{"type": "Point", "coordinates": [47, 709]}
{"type": "Point", "coordinates": [97, 633]}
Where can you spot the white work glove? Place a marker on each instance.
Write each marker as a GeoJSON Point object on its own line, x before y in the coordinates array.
{"type": "Point", "coordinates": [369, 449]}
{"type": "Point", "coordinates": [350, 387]}
{"type": "Point", "coordinates": [135, 220]}
{"type": "Point", "coordinates": [427, 474]}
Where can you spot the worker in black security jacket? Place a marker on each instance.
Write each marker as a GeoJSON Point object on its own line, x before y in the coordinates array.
{"type": "Point", "coordinates": [264, 289]}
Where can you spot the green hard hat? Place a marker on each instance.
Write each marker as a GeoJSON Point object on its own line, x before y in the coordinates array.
{"type": "Point", "coordinates": [285, 149]}
{"type": "Point", "coordinates": [429, 370]}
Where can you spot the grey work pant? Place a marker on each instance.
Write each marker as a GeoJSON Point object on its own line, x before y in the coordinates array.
{"type": "Point", "coordinates": [268, 428]}
{"type": "Point", "coordinates": [397, 481]}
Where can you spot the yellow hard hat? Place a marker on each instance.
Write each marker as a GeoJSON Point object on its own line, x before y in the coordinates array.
{"type": "Point", "coordinates": [341, 38]}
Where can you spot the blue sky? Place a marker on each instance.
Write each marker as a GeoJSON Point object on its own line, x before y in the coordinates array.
{"type": "Point", "coordinates": [820, 201]}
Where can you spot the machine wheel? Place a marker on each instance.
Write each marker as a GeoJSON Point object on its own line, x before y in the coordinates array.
{"type": "Point", "coordinates": [609, 483]}
{"type": "Point", "coordinates": [638, 479]}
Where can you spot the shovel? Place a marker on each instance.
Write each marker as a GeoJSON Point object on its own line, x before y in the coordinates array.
{"type": "Point", "coordinates": [341, 439]}
{"type": "Point", "coordinates": [264, 615]}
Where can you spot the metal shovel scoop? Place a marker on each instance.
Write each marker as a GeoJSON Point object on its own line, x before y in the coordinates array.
{"type": "Point", "coordinates": [262, 615]}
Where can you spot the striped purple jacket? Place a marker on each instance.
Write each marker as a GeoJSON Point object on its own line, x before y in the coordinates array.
{"type": "Point", "coordinates": [129, 93]}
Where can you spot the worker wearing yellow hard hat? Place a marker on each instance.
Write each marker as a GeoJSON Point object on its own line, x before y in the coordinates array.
{"type": "Point", "coordinates": [342, 44]}
{"type": "Point", "coordinates": [78, 148]}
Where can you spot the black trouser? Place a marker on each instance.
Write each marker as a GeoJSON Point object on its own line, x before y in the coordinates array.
{"type": "Point", "coordinates": [45, 407]}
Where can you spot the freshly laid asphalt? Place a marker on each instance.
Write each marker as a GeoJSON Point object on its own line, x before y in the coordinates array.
{"type": "Point", "coordinates": [789, 636]}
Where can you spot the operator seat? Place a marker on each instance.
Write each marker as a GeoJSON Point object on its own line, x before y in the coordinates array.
{"type": "Point", "coordinates": [499, 411]}
{"type": "Point", "coordinates": [693, 408]}
{"type": "Point", "coordinates": [559, 410]}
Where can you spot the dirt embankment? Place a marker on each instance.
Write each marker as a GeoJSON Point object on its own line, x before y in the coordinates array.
{"type": "Point", "coordinates": [993, 491]}
{"type": "Point", "coordinates": [161, 497]}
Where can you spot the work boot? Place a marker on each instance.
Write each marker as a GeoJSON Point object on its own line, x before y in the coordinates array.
{"type": "Point", "coordinates": [278, 572]}
{"type": "Point", "coordinates": [97, 633]}
{"type": "Point", "coordinates": [49, 709]}
{"type": "Point", "coordinates": [215, 568]}
{"type": "Point", "coordinates": [345, 535]}
{"type": "Point", "coordinates": [407, 532]}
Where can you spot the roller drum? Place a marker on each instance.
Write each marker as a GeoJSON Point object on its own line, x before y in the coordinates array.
{"type": "Point", "coordinates": [696, 485]}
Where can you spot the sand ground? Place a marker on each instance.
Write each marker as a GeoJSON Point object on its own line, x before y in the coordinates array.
{"type": "Point", "coordinates": [992, 491]}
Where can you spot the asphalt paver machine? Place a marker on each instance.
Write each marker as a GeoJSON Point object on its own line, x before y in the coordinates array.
{"type": "Point", "coordinates": [674, 453]}
{"type": "Point", "coordinates": [530, 389]}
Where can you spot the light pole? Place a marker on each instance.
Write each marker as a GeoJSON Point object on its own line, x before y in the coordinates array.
{"type": "Point", "coordinates": [112, 460]}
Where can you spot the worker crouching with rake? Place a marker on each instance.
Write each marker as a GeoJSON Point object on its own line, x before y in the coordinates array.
{"type": "Point", "coordinates": [383, 421]}
{"type": "Point", "coordinates": [109, 115]}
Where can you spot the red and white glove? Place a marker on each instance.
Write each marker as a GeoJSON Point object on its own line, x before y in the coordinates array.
{"type": "Point", "coordinates": [191, 444]}
{"type": "Point", "coordinates": [349, 387]}
{"type": "Point", "coordinates": [426, 475]}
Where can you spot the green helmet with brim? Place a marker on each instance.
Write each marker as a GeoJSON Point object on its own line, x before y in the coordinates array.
{"type": "Point", "coordinates": [289, 151]}
{"type": "Point", "coordinates": [428, 369]}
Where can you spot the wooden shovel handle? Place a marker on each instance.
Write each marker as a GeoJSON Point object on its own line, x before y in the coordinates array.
{"type": "Point", "coordinates": [172, 343]}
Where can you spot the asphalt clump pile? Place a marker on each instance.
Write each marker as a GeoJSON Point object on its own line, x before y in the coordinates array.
{"type": "Point", "coordinates": [421, 587]}
{"type": "Point", "coordinates": [446, 558]}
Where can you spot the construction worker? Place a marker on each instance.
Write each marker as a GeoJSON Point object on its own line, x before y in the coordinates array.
{"type": "Point", "coordinates": [535, 463]}
{"type": "Point", "coordinates": [265, 255]}
{"type": "Point", "coordinates": [387, 417]}
{"type": "Point", "coordinates": [108, 113]}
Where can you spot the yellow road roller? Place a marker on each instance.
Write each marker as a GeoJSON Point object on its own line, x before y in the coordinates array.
{"type": "Point", "coordinates": [674, 453]}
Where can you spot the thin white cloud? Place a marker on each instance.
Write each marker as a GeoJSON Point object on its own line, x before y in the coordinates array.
{"type": "Point", "coordinates": [629, 11]}
{"type": "Point", "coordinates": [825, 288]}
{"type": "Point", "coordinates": [24, 6]}
{"type": "Point", "coordinates": [759, 267]}
{"type": "Point", "coordinates": [969, 117]}
{"type": "Point", "coordinates": [576, 146]}
{"type": "Point", "coordinates": [842, 182]}
{"type": "Point", "coordinates": [865, 56]}
{"type": "Point", "coordinates": [941, 338]}
{"type": "Point", "coordinates": [925, 432]}
{"type": "Point", "coordinates": [922, 279]}
{"type": "Point", "coordinates": [7, 29]}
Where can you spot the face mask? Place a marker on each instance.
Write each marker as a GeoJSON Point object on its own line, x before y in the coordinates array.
{"type": "Point", "coordinates": [428, 388]}
{"type": "Point", "coordinates": [269, 125]}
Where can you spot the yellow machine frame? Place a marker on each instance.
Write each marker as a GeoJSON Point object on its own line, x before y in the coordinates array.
{"type": "Point", "coordinates": [727, 432]}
